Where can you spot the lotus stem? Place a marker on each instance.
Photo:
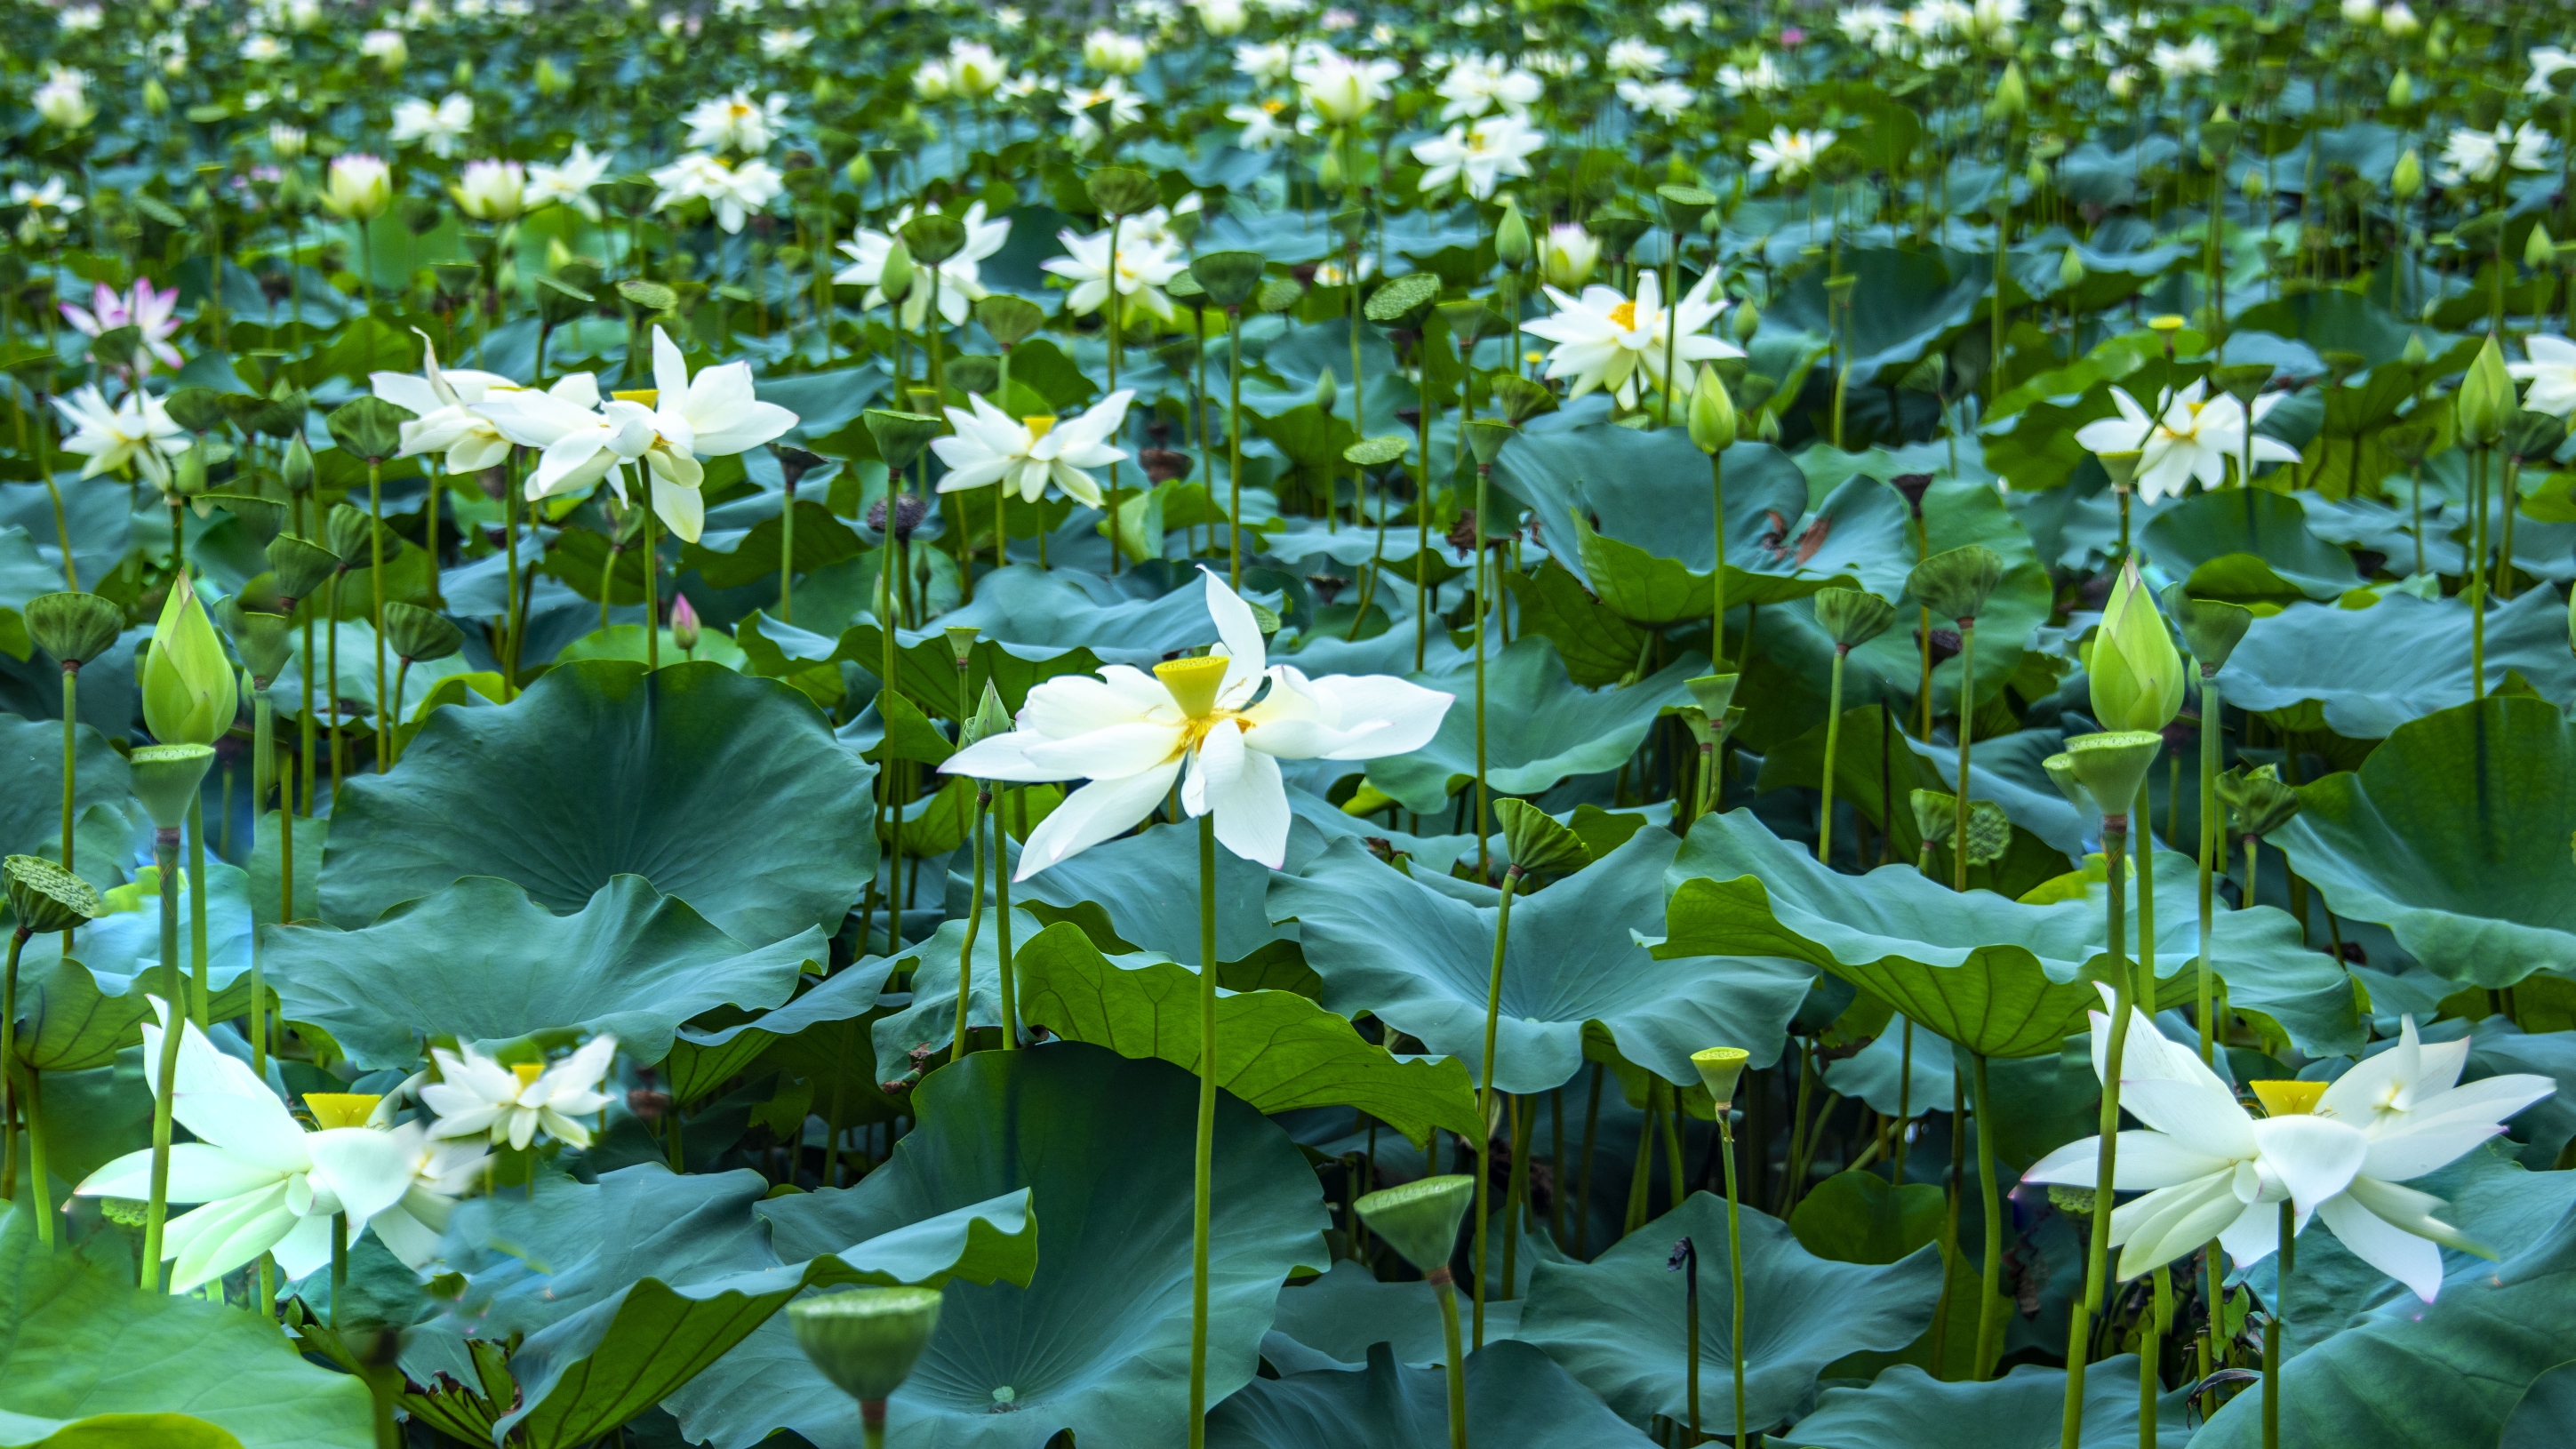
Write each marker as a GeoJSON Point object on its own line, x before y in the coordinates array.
{"type": "Point", "coordinates": [263, 730]}
{"type": "Point", "coordinates": [974, 918]}
{"type": "Point", "coordinates": [2143, 818]}
{"type": "Point", "coordinates": [1967, 730]}
{"type": "Point", "coordinates": [8, 1084]}
{"type": "Point", "coordinates": [304, 730]}
{"type": "Point", "coordinates": [339, 1264]}
{"type": "Point", "coordinates": [32, 1108]}
{"type": "Point", "coordinates": [71, 763]}
{"type": "Point", "coordinates": [1203, 1174]}
{"type": "Point", "coordinates": [331, 664]}
{"type": "Point", "coordinates": [1422, 526]}
{"type": "Point", "coordinates": [2272, 1329]}
{"type": "Point", "coordinates": [1118, 344]}
{"type": "Point", "coordinates": [872, 1416]}
{"type": "Point", "coordinates": [2151, 1332]}
{"type": "Point", "coordinates": [1485, 1085]}
{"type": "Point", "coordinates": [1687, 1259]}
{"type": "Point", "coordinates": [1717, 564]}
{"type": "Point", "coordinates": [376, 619]}
{"type": "Point", "coordinates": [1484, 807]}
{"type": "Point", "coordinates": [1989, 1324]}
{"type": "Point", "coordinates": [1833, 745]}
{"type": "Point", "coordinates": [2204, 997]}
{"type": "Point", "coordinates": [201, 988]}
{"type": "Point", "coordinates": [402, 687]}
{"type": "Point", "coordinates": [2477, 580]}
{"type": "Point", "coordinates": [1734, 1265]}
{"type": "Point", "coordinates": [1002, 931]}
{"type": "Point", "coordinates": [2511, 498]}
{"type": "Point", "coordinates": [2115, 839]}
{"type": "Point", "coordinates": [787, 552]}
{"type": "Point", "coordinates": [510, 549]}
{"type": "Point", "coordinates": [2415, 487]}
{"type": "Point", "coordinates": [1234, 457]}
{"type": "Point", "coordinates": [653, 593]}
{"type": "Point", "coordinates": [165, 855]}
{"type": "Point", "coordinates": [1516, 1203]}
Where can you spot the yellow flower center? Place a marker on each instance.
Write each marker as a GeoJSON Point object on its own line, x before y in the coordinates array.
{"type": "Point", "coordinates": [1039, 426]}
{"type": "Point", "coordinates": [1274, 106]}
{"type": "Point", "coordinates": [2288, 1098]}
{"type": "Point", "coordinates": [1624, 315]}
{"type": "Point", "coordinates": [650, 397]}
{"type": "Point", "coordinates": [1193, 684]}
{"type": "Point", "coordinates": [341, 1109]}
{"type": "Point", "coordinates": [527, 1073]}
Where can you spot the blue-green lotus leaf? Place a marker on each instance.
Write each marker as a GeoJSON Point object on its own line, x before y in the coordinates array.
{"type": "Point", "coordinates": [2025, 1409]}
{"type": "Point", "coordinates": [2246, 545]}
{"type": "Point", "coordinates": [602, 770]}
{"type": "Point", "coordinates": [1332, 1321]}
{"type": "Point", "coordinates": [1539, 729]}
{"type": "Point", "coordinates": [2373, 670]}
{"type": "Point", "coordinates": [1515, 1396]}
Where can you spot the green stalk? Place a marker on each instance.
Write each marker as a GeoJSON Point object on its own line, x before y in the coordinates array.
{"type": "Point", "coordinates": [1690, 1297]}
{"type": "Point", "coordinates": [201, 994]}
{"type": "Point", "coordinates": [2477, 577]}
{"type": "Point", "coordinates": [652, 594]}
{"type": "Point", "coordinates": [974, 918]}
{"type": "Point", "coordinates": [2144, 815]}
{"type": "Point", "coordinates": [1484, 809]}
{"type": "Point", "coordinates": [872, 1424]}
{"type": "Point", "coordinates": [38, 1185]}
{"type": "Point", "coordinates": [1117, 345]}
{"type": "Point", "coordinates": [2115, 840]}
{"type": "Point", "coordinates": [787, 554]}
{"type": "Point", "coordinates": [1485, 1084]}
{"type": "Point", "coordinates": [1717, 569]}
{"type": "Point", "coordinates": [339, 1264]}
{"type": "Point", "coordinates": [2204, 999]}
{"type": "Point", "coordinates": [376, 582]}
{"type": "Point", "coordinates": [1833, 743]}
{"type": "Point", "coordinates": [165, 854]}
{"type": "Point", "coordinates": [1202, 1177]}
{"type": "Point", "coordinates": [263, 748]}
{"type": "Point", "coordinates": [1234, 452]}
{"type": "Point", "coordinates": [8, 1085]}
{"type": "Point", "coordinates": [1989, 1323]}
{"type": "Point", "coordinates": [1967, 729]}
{"type": "Point", "coordinates": [1516, 1202]}
{"type": "Point", "coordinates": [1421, 534]}
{"type": "Point", "coordinates": [331, 666]}
{"type": "Point", "coordinates": [71, 756]}
{"type": "Point", "coordinates": [1002, 941]}
{"type": "Point", "coordinates": [1734, 1264]}
{"type": "Point", "coordinates": [1445, 1289]}
{"type": "Point", "coordinates": [510, 544]}
{"type": "Point", "coordinates": [2272, 1330]}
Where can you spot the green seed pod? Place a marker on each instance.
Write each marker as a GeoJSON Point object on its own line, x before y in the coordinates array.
{"type": "Point", "coordinates": [2113, 765]}
{"type": "Point", "coordinates": [1485, 438]}
{"type": "Point", "coordinates": [2212, 629]}
{"type": "Point", "coordinates": [2401, 91]}
{"type": "Point", "coordinates": [369, 427]}
{"type": "Point", "coordinates": [933, 237]}
{"type": "Point", "coordinates": [1122, 191]}
{"type": "Point", "coordinates": [1684, 206]}
{"type": "Point", "coordinates": [301, 565]}
{"type": "Point", "coordinates": [48, 898]}
{"type": "Point", "coordinates": [1956, 584]}
{"type": "Point", "coordinates": [2136, 673]}
{"type": "Point", "coordinates": [1712, 413]}
{"type": "Point", "coordinates": [1537, 844]}
{"type": "Point", "coordinates": [867, 1339]}
{"type": "Point", "coordinates": [2061, 773]}
{"type": "Point", "coordinates": [189, 693]}
{"type": "Point", "coordinates": [165, 779]}
{"type": "Point", "coordinates": [74, 628]}
{"type": "Point", "coordinates": [419, 634]}
{"type": "Point", "coordinates": [196, 408]}
{"type": "Point", "coordinates": [900, 436]}
{"type": "Point", "coordinates": [1229, 278]}
{"type": "Point", "coordinates": [1011, 320]}
{"type": "Point", "coordinates": [349, 529]}
{"type": "Point", "coordinates": [262, 640]}
{"type": "Point", "coordinates": [2531, 436]}
{"type": "Point", "coordinates": [1420, 1219]}
{"type": "Point", "coordinates": [1404, 302]}
{"type": "Point", "coordinates": [2011, 100]}
{"type": "Point", "coordinates": [1720, 1070]}
{"type": "Point", "coordinates": [1853, 617]}
{"type": "Point", "coordinates": [2256, 800]}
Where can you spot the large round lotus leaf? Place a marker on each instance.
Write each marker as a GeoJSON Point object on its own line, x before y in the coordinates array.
{"type": "Point", "coordinates": [1539, 729]}
{"type": "Point", "coordinates": [1099, 1342]}
{"type": "Point", "coordinates": [86, 1355]}
{"type": "Point", "coordinates": [2454, 835]}
{"type": "Point", "coordinates": [1331, 1322]}
{"type": "Point", "coordinates": [602, 770]}
{"type": "Point", "coordinates": [1634, 504]}
{"type": "Point", "coordinates": [357, 676]}
{"type": "Point", "coordinates": [1419, 956]}
{"type": "Point", "coordinates": [1620, 1324]}
{"type": "Point", "coordinates": [1141, 892]}
{"type": "Point", "coordinates": [627, 1288]}
{"type": "Point", "coordinates": [1515, 1396]}
{"type": "Point", "coordinates": [1912, 299]}
{"type": "Point", "coordinates": [481, 961]}
{"type": "Point", "coordinates": [2246, 545]}
{"type": "Point", "coordinates": [31, 800]}
{"type": "Point", "coordinates": [2025, 1409]}
{"type": "Point", "coordinates": [2540, 1421]}
{"type": "Point", "coordinates": [1998, 976]}
{"type": "Point", "coordinates": [2373, 670]}
{"type": "Point", "coordinates": [1069, 609]}
{"type": "Point", "coordinates": [2442, 1375]}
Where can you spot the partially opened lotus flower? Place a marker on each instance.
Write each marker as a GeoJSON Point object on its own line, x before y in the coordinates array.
{"type": "Point", "coordinates": [476, 1096]}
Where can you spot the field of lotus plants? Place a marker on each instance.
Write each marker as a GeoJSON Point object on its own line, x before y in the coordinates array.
{"type": "Point", "coordinates": [1264, 724]}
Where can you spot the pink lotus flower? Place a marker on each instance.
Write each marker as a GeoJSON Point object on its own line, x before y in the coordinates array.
{"type": "Point", "coordinates": [151, 312]}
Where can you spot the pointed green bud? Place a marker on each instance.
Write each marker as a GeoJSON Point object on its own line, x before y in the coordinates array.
{"type": "Point", "coordinates": [2401, 91]}
{"type": "Point", "coordinates": [1956, 584]}
{"type": "Point", "coordinates": [900, 436]}
{"type": "Point", "coordinates": [2136, 672]}
{"type": "Point", "coordinates": [1512, 245]}
{"type": "Point", "coordinates": [74, 628]}
{"type": "Point", "coordinates": [1720, 1070]}
{"type": "Point", "coordinates": [2070, 271]}
{"type": "Point", "coordinates": [189, 693]}
{"type": "Point", "coordinates": [1419, 1219]}
{"type": "Point", "coordinates": [2212, 629]}
{"type": "Point", "coordinates": [1746, 321]}
{"type": "Point", "coordinates": [47, 898]}
{"type": "Point", "coordinates": [1537, 843]}
{"type": "Point", "coordinates": [867, 1339]}
{"type": "Point", "coordinates": [2486, 397]}
{"type": "Point", "coordinates": [1328, 392]}
{"type": "Point", "coordinates": [2011, 99]}
{"type": "Point", "coordinates": [2406, 178]}
{"type": "Point", "coordinates": [1712, 413]}
{"type": "Point", "coordinates": [2113, 765]}
{"type": "Point", "coordinates": [297, 470]}
{"type": "Point", "coordinates": [1852, 617]}
{"type": "Point", "coordinates": [2415, 354]}
{"type": "Point", "coordinates": [419, 634]}
{"type": "Point", "coordinates": [165, 779]}
{"type": "Point", "coordinates": [895, 277]}
{"type": "Point", "coordinates": [188, 474]}
{"type": "Point", "coordinates": [989, 719]}
{"type": "Point", "coordinates": [2538, 252]}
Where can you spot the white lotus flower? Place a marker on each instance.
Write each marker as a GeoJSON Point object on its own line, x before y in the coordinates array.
{"type": "Point", "coordinates": [1027, 453]}
{"type": "Point", "coordinates": [1131, 734]}
{"type": "Point", "coordinates": [1604, 340]}
{"type": "Point", "coordinates": [267, 1185]}
{"type": "Point", "coordinates": [736, 123]}
{"type": "Point", "coordinates": [930, 81]}
{"type": "Point", "coordinates": [1222, 17]}
{"type": "Point", "coordinates": [733, 192]}
{"type": "Point", "coordinates": [1761, 78]}
{"type": "Point", "coordinates": [441, 129]}
{"type": "Point", "coordinates": [138, 430]}
{"type": "Point", "coordinates": [1139, 271]}
{"type": "Point", "coordinates": [2194, 58]}
{"type": "Point", "coordinates": [1788, 154]}
{"type": "Point", "coordinates": [1262, 128]}
{"type": "Point", "coordinates": [441, 1172]}
{"type": "Point", "coordinates": [785, 42]}
{"type": "Point", "coordinates": [1634, 58]}
{"type": "Point", "coordinates": [1478, 157]}
{"type": "Point", "coordinates": [568, 182]}
{"type": "Point", "coordinates": [446, 411]}
{"type": "Point", "coordinates": [53, 196]}
{"type": "Point", "coordinates": [1111, 53]}
{"type": "Point", "coordinates": [476, 1096]}
{"type": "Point", "coordinates": [2551, 373]}
{"type": "Point", "coordinates": [1481, 83]}
{"type": "Point", "coordinates": [2547, 62]}
{"type": "Point", "coordinates": [1341, 89]}
{"type": "Point", "coordinates": [960, 277]}
{"type": "Point", "coordinates": [1665, 100]}
{"type": "Point", "coordinates": [1115, 105]}
{"type": "Point", "coordinates": [974, 70]}
{"type": "Point", "coordinates": [1265, 64]}
{"type": "Point", "coordinates": [2197, 437]}
{"type": "Point", "coordinates": [2481, 156]}
{"type": "Point", "coordinates": [63, 100]}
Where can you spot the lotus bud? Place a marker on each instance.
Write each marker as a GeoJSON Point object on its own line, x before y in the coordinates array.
{"type": "Point", "coordinates": [2212, 629]}
{"type": "Point", "coordinates": [1852, 617]}
{"type": "Point", "coordinates": [419, 635]}
{"type": "Point", "coordinates": [684, 624]}
{"type": "Point", "coordinates": [2538, 252]}
{"type": "Point", "coordinates": [2070, 270]}
{"type": "Point", "coordinates": [2406, 179]}
{"type": "Point", "coordinates": [867, 1339]}
{"type": "Point", "coordinates": [2401, 91]}
{"type": "Point", "coordinates": [1956, 584]}
{"type": "Point", "coordinates": [2486, 398]}
{"type": "Point", "coordinates": [900, 436]}
{"type": "Point", "coordinates": [1720, 1070]}
{"type": "Point", "coordinates": [188, 474]}
{"type": "Point", "coordinates": [2136, 671]}
{"type": "Point", "coordinates": [156, 100]}
{"type": "Point", "coordinates": [990, 719]}
{"type": "Point", "coordinates": [2012, 96]}
{"type": "Point", "coordinates": [2113, 765]}
{"type": "Point", "coordinates": [1746, 322]}
{"type": "Point", "coordinates": [1712, 413]}
{"type": "Point", "coordinates": [189, 695]}
{"type": "Point", "coordinates": [165, 778]}
{"type": "Point", "coordinates": [1420, 1219]}
{"type": "Point", "coordinates": [74, 628]}
{"type": "Point", "coordinates": [1512, 246]}
{"type": "Point", "coordinates": [1328, 392]}
{"type": "Point", "coordinates": [895, 277]}
{"type": "Point", "coordinates": [297, 469]}
{"type": "Point", "coordinates": [1537, 843]}
{"type": "Point", "coordinates": [48, 898]}
{"type": "Point", "coordinates": [2256, 800]}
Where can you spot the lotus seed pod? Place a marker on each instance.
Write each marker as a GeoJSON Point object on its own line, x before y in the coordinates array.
{"type": "Point", "coordinates": [1011, 320]}
{"type": "Point", "coordinates": [419, 634]}
{"type": "Point", "coordinates": [74, 628]}
{"type": "Point", "coordinates": [1485, 438]}
{"type": "Point", "coordinates": [262, 639]}
{"type": "Point", "coordinates": [1420, 1219]}
{"type": "Point", "coordinates": [2136, 673]}
{"type": "Point", "coordinates": [48, 898]}
{"type": "Point", "coordinates": [165, 779]}
{"type": "Point", "coordinates": [867, 1339]}
{"type": "Point", "coordinates": [1229, 278]}
{"type": "Point", "coordinates": [2257, 802]}
{"type": "Point", "coordinates": [2211, 628]}
{"type": "Point", "coordinates": [301, 565]}
{"type": "Point", "coordinates": [1853, 617]}
{"type": "Point", "coordinates": [1720, 1069]}
{"type": "Point", "coordinates": [189, 693]}
{"type": "Point", "coordinates": [1122, 191]}
{"type": "Point", "coordinates": [2061, 773]}
{"type": "Point", "coordinates": [933, 237]}
{"type": "Point", "coordinates": [900, 436]}
{"type": "Point", "coordinates": [2113, 765]}
{"type": "Point", "coordinates": [1956, 584]}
